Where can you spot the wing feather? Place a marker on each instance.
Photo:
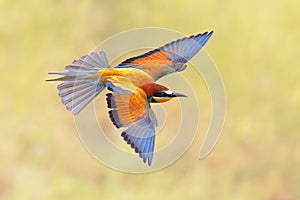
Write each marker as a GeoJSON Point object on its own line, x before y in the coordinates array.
{"type": "Point", "coordinates": [168, 58]}
{"type": "Point", "coordinates": [130, 109]}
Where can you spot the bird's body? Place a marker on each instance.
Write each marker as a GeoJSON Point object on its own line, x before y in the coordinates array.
{"type": "Point", "coordinates": [134, 76]}
{"type": "Point", "coordinates": [133, 87]}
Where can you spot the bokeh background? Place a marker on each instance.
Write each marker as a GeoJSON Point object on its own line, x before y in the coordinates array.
{"type": "Point", "coordinates": [256, 48]}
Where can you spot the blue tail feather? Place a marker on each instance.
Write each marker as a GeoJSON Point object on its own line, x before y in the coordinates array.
{"type": "Point", "coordinates": [81, 83]}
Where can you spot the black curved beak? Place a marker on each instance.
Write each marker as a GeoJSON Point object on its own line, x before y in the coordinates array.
{"type": "Point", "coordinates": [176, 94]}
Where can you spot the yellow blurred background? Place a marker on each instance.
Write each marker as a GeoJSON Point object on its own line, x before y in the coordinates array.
{"type": "Point", "coordinates": [255, 46]}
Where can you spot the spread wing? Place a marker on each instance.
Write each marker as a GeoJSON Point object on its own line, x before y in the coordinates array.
{"type": "Point", "coordinates": [168, 58]}
{"type": "Point", "coordinates": [130, 109]}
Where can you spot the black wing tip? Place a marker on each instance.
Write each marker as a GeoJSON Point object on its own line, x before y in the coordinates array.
{"type": "Point", "coordinates": [210, 33]}
{"type": "Point", "coordinates": [110, 101]}
{"type": "Point", "coordinates": [203, 37]}
{"type": "Point", "coordinates": [147, 158]}
{"type": "Point", "coordinates": [123, 134]}
{"type": "Point", "coordinates": [115, 120]}
{"type": "Point", "coordinates": [206, 33]}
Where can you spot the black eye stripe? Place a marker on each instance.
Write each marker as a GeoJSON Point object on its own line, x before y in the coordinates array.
{"type": "Point", "coordinates": [162, 94]}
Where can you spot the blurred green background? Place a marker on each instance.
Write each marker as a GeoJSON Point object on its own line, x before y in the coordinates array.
{"type": "Point", "coordinates": [255, 46]}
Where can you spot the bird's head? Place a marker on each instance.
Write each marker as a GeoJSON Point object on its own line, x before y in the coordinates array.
{"type": "Point", "coordinates": [164, 95]}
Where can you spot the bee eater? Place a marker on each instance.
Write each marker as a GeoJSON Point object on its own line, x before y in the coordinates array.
{"type": "Point", "coordinates": [132, 87]}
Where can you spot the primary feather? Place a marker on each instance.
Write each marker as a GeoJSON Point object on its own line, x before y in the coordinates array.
{"type": "Point", "coordinates": [168, 58]}
{"type": "Point", "coordinates": [131, 109]}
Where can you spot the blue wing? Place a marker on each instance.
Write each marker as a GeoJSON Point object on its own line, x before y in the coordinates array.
{"type": "Point", "coordinates": [141, 137]}
{"type": "Point", "coordinates": [168, 58]}
{"type": "Point", "coordinates": [182, 50]}
{"type": "Point", "coordinates": [131, 109]}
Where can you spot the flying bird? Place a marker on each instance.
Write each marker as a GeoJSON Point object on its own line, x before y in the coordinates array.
{"type": "Point", "coordinates": [131, 87]}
